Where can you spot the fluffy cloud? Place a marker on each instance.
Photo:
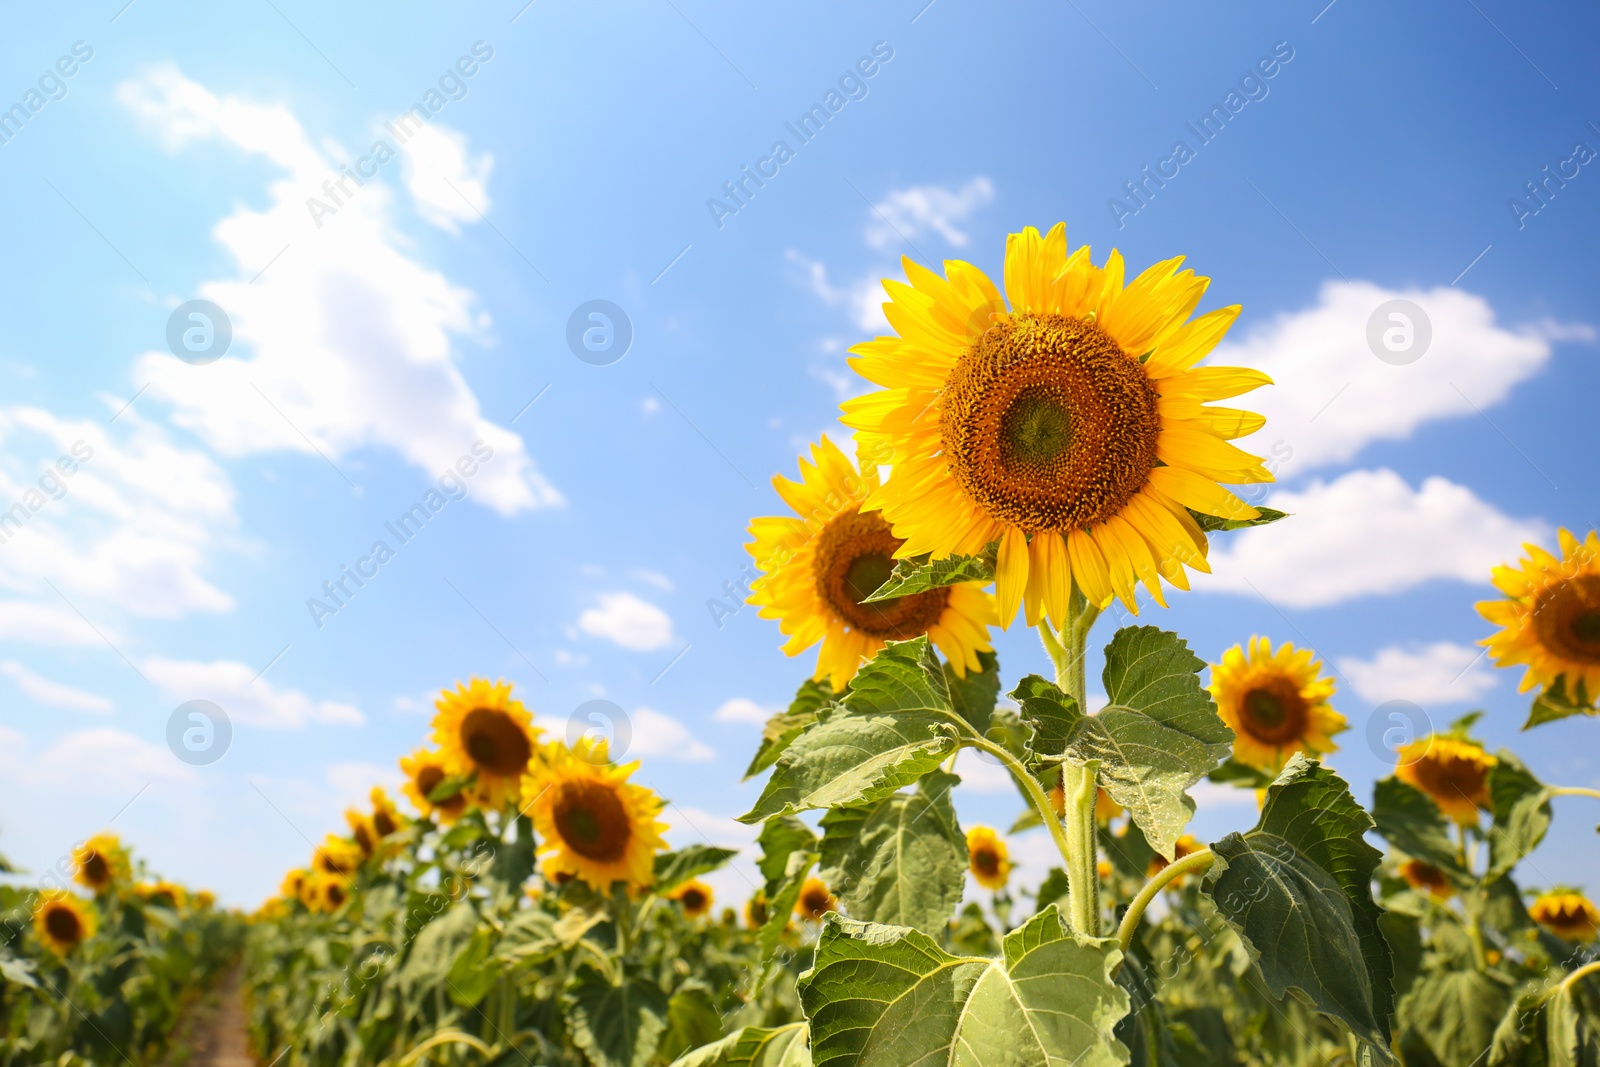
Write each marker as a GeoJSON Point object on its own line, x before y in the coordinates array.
{"type": "Point", "coordinates": [742, 709]}
{"type": "Point", "coordinates": [661, 736]}
{"type": "Point", "coordinates": [53, 694]}
{"type": "Point", "coordinates": [911, 212]}
{"type": "Point", "coordinates": [635, 624]}
{"type": "Point", "coordinates": [102, 760]}
{"type": "Point", "coordinates": [1365, 533]}
{"type": "Point", "coordinates": [234, 687]}
{"type": "Point", "coordinates": [341, 339]}
{"type": "Point", "coordinates": [1334, 396]}
{"type": "Point", "coordinates": [862, 300]}
{"type": "Point", "coordinates": [1438, 673]}
{"type": "Point", "coordinates": [447, 185]}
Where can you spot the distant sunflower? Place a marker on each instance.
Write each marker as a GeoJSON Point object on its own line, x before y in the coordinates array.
{"type": "Point", "coordinates": [336, 856]}
{"type": "Point", "coordinates": [1550, 617]}
{"type": "Point", "coordinates": [101, 862]}
{"type": "Point", "coordinates": [328, 892]}
{"type": "Point", "coordinates": [1187, 845]}
{"type": "Point", "coordinates": [386, 818]}
{"type": "Point", "coordinates": [1105, 809]}
{"type": "Point", "coordinates": [62, 921]}
{"type": "Point", "coordinates": [1276, 702]}
{"type": "Point", "coordinates": [294, 883]}
{"type": "Point", "coordinates": [1426, 878]}
{"type": "Point", "coordinates": [988, 858]}
{"type": "Point", "coordinates": [1071, 429]}
{"type": "Point", "coordinates": [361, 830]}
{"type": "Point", "coordinates": [481, 730]}
{"type": "Point", "coordinates": [756, 910]}
{"type": "Point", "coordinates": [1453, 772]}
{"type": "Point", "coordinates": [425, 771]}
{"type": "Point", "coordinates": [204, 899]}
{"type": "Point", "coordinates": [162, 893]}
{"type": "Point", "coordinates": [820, 564]}
{"type": "Point", "coordinates": [1568, 914]}
{"type": "Point", "coordinates": [599, 826]}
{"type": "Point", "coordinates": [694, 897]}
{"type": "Point", "coordinates": [815, 900]}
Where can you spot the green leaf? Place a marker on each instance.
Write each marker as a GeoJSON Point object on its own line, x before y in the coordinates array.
{"type": "Point", "coordinates": [448, 787]}
{"type": "Point", "coordinates": [1232, 772]}
{"type": "Point", "coordinates": [973, 696]}
{"type": "Point", "coordinates": [615, 1025]}
{"type": "Point", "coordinates": [1555, 702]}
{"type": "Point", "coordinates": [692, 1021]}
{"type": "Point", "coordinates": [675, 868]}
{"type": "Point", "coordinates": [1158, 736]}
{"type": "Point", "coordinates": [1521, 806]}
{"type": "Point", "coordinates": [885, 996]}
{"type": "Point", "coordinates": [435, 948]}
{"type": "Point", "coordinates": [1456, 1013]}
{"type": "Point", "coordinates": [1212, 524]}
{"type": "Point", "coordinates": [1052, 713]}
{"type": "Point", "coordinates": [787, 725]}
{"type": "Point", "coordinates": [788, 849]}
{"type": "Point", "coordinates": [754, 1046]}
{"type": "Point", "coordinates": [919, 574]}
{"type": "Point", "coordinates": [1517, 1034]}
{"type": "Point", "coordinates": [1298, 889]}
{"type": "Point", "coordinates": [1412, 823]}
{"type": "Point", "coordinates": [470, 978]}
{"type": "Point", "coordinates": [1572, 1034]}
{"type": "Point", "coordinates": [901, 861]}
{"type": "Point", "coordinates": [894, 725]}
{"type": "Point", "coordinates": [513, 861]}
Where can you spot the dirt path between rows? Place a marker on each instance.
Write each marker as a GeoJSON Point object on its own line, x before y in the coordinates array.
{"type": "Point", "coordinates": [218, 1036]}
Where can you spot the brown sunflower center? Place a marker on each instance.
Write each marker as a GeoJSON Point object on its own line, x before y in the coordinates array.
{"type": "Point", "coordinates": [693, 899]}
{"type": "Point", "coordinates": [384, 823]}
{"type": "Point", "coordinates": [1274, 713]}
{"type": "Point", "coordinates": [816, 901]}
{"type": "Point", "coordinates": [96, 871]}
{"type": "Point", "coordinates": [1450, 777]}
{"type": "Point", "coordinates": [855, 555]}
{"type": "Point", "coordinates": [428, 779]}
{"type": "Point", "coordinates": [495, 742]}
{"type": "Point", "coordinates": [986, 861]}
{"type": "Point", "coordinates": [63, 924]}
{"type": "Point", "coordinates": [1048, 424]}
{"type": "Point", "coordinates": [1567, 618]}
{"type": "Point", "coordinates": [592, 822]}
{"type": "Point", "coordinates": [336, 894]}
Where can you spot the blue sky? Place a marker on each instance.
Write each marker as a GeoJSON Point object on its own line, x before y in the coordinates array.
{"type": "Point", "coordinates": [375, 343]}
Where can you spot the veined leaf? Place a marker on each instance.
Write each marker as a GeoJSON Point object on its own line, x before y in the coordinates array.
{"type": "Point", "coordinates": [1572, 1034]}
{"type": "Point", "coordinates": [885, 996]}
{"type": "Point", "coordinates": [692, 1021]}
{"type": "Point", "coordinates": [920, 574]}
{"type": "Point", "coordinates": [471, 976]}
{"type": "Point", "coordinates": [973, 696]}
{"type": "Point", "coordinates": [786, 725]}
{"type": "Point", "coordinates": [1521, 805]}
{"type": "Point", "coordinates": [1412, 823]}
{"type": "Point", "coordinates": [675, 868]}
{"type": "Point", "coordinates": [901, 861]}
{"type": "Point", "coordinates": [1297, 888]}
{"type": "Point", "coordinates": [1556, 702]}
{"type": "Point", "coordinates": [1052, 713]}
{"type": "Point", "coordinates": [615, 1025]}
{"type": "Point", "coordinates": [788, 849]}
{"type": "Point", "coordinates": [754, 1046]}
{"type": "Point", "coordinates": [1212, 524]}
{"type": "Point", "coordinates": [895, 724]}
{"type": "Point", "coordinates": [1456, 1013]}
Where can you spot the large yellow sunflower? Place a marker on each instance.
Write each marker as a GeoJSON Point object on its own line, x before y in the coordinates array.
{"type": "Point", "coordinates": [988, 858]}
{"type": "Point", "coordinates": [1550, 617]}
{"type": "Point", "coordinates": [481, 730]}
{"type": "Point", "coordinates": [62, 921]}
{"type": "Point", "coordinates": [820, 563]}
{"type": "Point", "coordinates": [425, 770]}
{"type": "Point", "coordinates": [598, 826]}
{"type": "Point", "coordinates": [1071, 429]}
{"type": "Point", "coordinates": [1567, 913]}
{"type": "Point", "coordinates": [101, 862]}
{"type": "Point", "coordinates": [1452, 771]}
{"type": "Point", "coordinates": [1276, 701]}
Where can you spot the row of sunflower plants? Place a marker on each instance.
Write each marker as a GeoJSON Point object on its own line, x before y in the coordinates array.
{"type": "Point", "coordinates": [526, 911]}
{"type": "Point", "coordinates": [1058, 441]}
{"type": "Point", "coordinates": [99, 968]}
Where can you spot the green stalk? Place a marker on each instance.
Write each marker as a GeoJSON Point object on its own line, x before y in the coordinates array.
{"type": "Point", "coordinates": [1030, 788]}
{"type": "Point", "coordinates": [1078, 781]}
{"type": "Point", "coordinates": [1193, 862]}
{"type": "Point", "coordinates": [1573, 791]}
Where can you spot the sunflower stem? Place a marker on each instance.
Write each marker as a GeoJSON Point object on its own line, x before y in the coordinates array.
{"type": "Point", "coordinates": [1079, 781]}
{"type": "Point", "coordinates": [1031, 789]}
{"type": "Point", "coordinates": [1574, 791]}
{"type": "Point", "coordinates": [1200, 860]}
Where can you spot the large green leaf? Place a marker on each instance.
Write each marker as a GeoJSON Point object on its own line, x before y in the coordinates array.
{"type": "Point", "coordinates": [692, 1021]}
{"type": "Point", "coordinates": [973, 695]}
{"type": "Point", "coordinates": [1521, 806]}
{"type": "Point", "coordinates": [754, 1046]}
{"type": "Point", "coordinates": [1572, 1029]}
{"type": "Point", "coordinates": [615, 1025]}
{"type": "Point", "coordinates": [786, 725]}
{"type": "Point", "coordinates": [885, 996]}
{"type": "Point", "coordinates": [788, 849]}
{"type": "Point", "coordinates": [1412, 823]}
{"type": "Point", "coordinates": [1456, 1012]}
{"type": "Point", "coordinates": [920, 574]}
{"type": "Point", "coordinates": [675, 868]}
{"type": "Point", "coordinates": [1298, 889]}
{"type": "Point", "coordinates": [894, 725]}
{"type": "Point", "coordinates": [900, 861]}
{"type": "Point", "coordinates": [1052, 713]}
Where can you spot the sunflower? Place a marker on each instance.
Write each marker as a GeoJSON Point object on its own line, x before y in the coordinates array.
{"type": "Point", "coordinates": [336, 856]}
{"type": "Point", "coordinates": [815, 900]}
{"type": "Point", "coordinates": [1070, 429]}
{"type": "Point", "coordinates": [62, 920]}
{"type": "Point", "coordinates": [1453, 771]}
{"type": "Point", "coordinates": [819, 564]}
{"type": "Point", "coordinates": [1187, 845]}
{"type": "Point", "coordinates": [1276, 702]}
{"type": "Point", "coordinates": [425, 770]}
{"type": "Point", "coordinates": [361, 831]}
{"type": "Point", "coordinates": [1426, 878]}
{"type": "Point", "coordinates": [294, 883]}
{"type": "Point", "coordinates": [1550, 617]}
{"type": "Point", "coordinates": [1566, 913]}
{"type": "Point", "coordinates": [162, 894]}
{"type": "Point", "coordinates": [756, 911]}
{"type": "Point", "coordinates": [987, 857]}
{"type": "Point", "coordinates": [327, 892]}
{"type": "Point", "coordinates": [481, 731]}
{"type": "Point", "coordinates": [205, 900]}
{"type": "Point", "coordinates": [101, 862]}
{"type": "Point", "coordinates": [1105, 809]}
{"type": "Point", "coordinates": [599, 827]}
{"type": "Point", "coordinates": [694, 897]}
{"type": "Point", "coordinates": [386, 818]}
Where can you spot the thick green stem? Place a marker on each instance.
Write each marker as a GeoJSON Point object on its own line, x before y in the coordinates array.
{"type": "Point", "coordinates": [1582, 972]}
{"type": "Point", "coordinates": [1083, 877]}
{"type": "Point", "coordinates": [1193, 862]}
{"type": "Point", "coordinates": [1031, 789]}
{"type": "Point", "coordinates": [1574, 791]}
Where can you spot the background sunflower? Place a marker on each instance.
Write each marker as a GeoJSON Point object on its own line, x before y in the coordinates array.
{"type": "Point", "coordinates": [1452, 770]}
{"type": "Point", "coordinates": [101, 862]}
{"type": "Point", "coordinates": [1550, 618]}
{"type": "Point", "coordinates": [482, 731]}
{"type": "Point", "coordinates": [425, 771]}
{"type": "Point", "coordinates": [62, 921]}
{"type": "Point", "coordinates": [595, 824]}
{"type": "Point", "coordinates": [1276, 701]}
{"type": "Point", "coordinates": [988, 858]}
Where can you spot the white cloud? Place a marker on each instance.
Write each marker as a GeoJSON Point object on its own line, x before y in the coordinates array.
{"type": "Point", "coordinates": [862, 300]}
{"type": "Point", "coordinates": [444, 181]}
{"type": "Point", "coordinates": [635, 624]}
{"type": "Point", "coordinates": [47, 624]}
{"type": "Point", "coordinates": [102, 759]}
{"type": "Point", "coordinates": [341, 340]}
{"type": "Point", "coordinates": [1334, 396]}
{"type": "Point", "coordinates": [742, 709]}
{"type": "Point", "coordinates": [1366, 533]}
{"type": "Point", "coordinates": [906, 214]}
{"type": "Point", "coordinates": [661, 736]}
{"type": "Point", "coordinates": [54, 694]}
{"type": "Point", "coordinates": [982, 773]}
{"type": "Point", "coordinates": [234, 687]}
{"type": "Point", "coordinates": [352, 782]}
{"type": "Point", "coordinates": [1437, 673]}
{"type": "Point", "coordinates": [655, 578]}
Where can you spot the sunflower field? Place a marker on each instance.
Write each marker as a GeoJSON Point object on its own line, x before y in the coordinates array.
{"type": "Point", "coordinates": [1041, 449]}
